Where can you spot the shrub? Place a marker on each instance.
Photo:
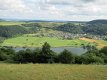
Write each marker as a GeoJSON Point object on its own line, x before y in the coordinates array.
{"type": "Point", "coordinates": [46, 55]}
{"type": "Point", "coordinates": [90, 58]}
{"type": "Point", "coordinates": [2, 56]}
{"type": "Point", "coordinates": [66, 57]}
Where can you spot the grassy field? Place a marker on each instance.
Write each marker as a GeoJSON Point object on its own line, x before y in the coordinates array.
{"type": "Point", "coordinates": [44, 24]}
{"type": "Point", "coordinates": [101, 43]}
{"type": "Point", "coordinates": [52, 72]}
{"type": "Point", "coordinates": [11, 23]}
{"type": "Point", "coordinates": [25, 41]}
{"type": "Point", "coordinates": [51, 24]}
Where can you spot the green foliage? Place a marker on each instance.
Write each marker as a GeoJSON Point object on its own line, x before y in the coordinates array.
{"type": "Point", "coordinates": [37, 56]}
{"type": "Point", "coordinates": [6, 54]}
{"type": "Point", "coordinates": [69, 27]}
{"type": "Point", "coordinates": [46, 55]}
{"type": "Point", "coordinates": [2, 56]}
{"type": "Point", "coordinates": [24, 56]}
{"type": "Point", "coordinates": [91, 58]}
{"type": "Point", "coordinates": [10, 31]}
{"type": "Point", "coordinates": [32, 27]}
{"type": "Point", "coordinates": [98, 22]}
{"type": "Point", "coordinates": [66, 57]}
{"type": "Point", "coordinates": [1, 40]}
{"type": "Point", "coordinates": [93, 28]}
{"type": "Point", "coordinates": [104, 53]}
{"type": "Point", "coordinates": [104, 50]}
{"type": "Point", "coordinates": [13, 30]}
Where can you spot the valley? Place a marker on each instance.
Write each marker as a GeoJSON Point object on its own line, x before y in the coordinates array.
{"type": "Point", "coordinates": [53, 40]}
{"type": "Point", "coordinates": [57, 34]}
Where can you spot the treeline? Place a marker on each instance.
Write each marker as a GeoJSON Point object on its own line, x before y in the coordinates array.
{"type": "Point", "coordinates": [98, 22]}
{"type": "Point", "coordinates": [70, 27]}
{"type": "Point", "coordinates": [10, 31]}
{"type": "Point", "coordinates": [46, 55]}
{"type": "Point", "coordinates": [86, 28]}
{"type": "Point", "coordinates": [13, 30]}
{"type": "Point", "coordinates": [32, 27]}
{"type": "Point", "coordinates": [95, 29]}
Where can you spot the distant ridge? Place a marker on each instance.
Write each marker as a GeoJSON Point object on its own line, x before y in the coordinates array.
{"type": "Point", "coordinates": [100, 21]}
{"type": "Point", "coordinates": [2, 20]}
{"type": "Point", "coordinates": [32, 20]}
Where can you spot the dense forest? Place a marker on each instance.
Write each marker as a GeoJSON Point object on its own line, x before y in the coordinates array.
{"type": "Point", "coordinates": [70, 27]}
{"type": "Point", "coordinates": [96, 27]}
{"type": "Point", "coordinates": [98, 22]}
{"type": "Point", "coordinates": [10, 31]}
{"type": "Point", "coordinates": [13, 30]}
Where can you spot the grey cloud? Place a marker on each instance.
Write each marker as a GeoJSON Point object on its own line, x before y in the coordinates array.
{"type": "Point", "coordinates": [62, 3]}
{"type": "Point", "coordinates": [59, 2]}
{"type": "Point", "coordinates": [3, 6]}
{"type": "Point", "coordinates": [63, 8]}
{"type": "Point", "coordinates": [67, 2]}
{"type": "Point", "coordinates": [88, 0]}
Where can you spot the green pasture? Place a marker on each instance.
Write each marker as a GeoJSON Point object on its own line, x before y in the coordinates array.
{"type": "Point", "coordinates": [52, 72]}
{"type": "Point", "coordinates": [6, 23]}
{"type": "Point", "coordinates": [25, 41]}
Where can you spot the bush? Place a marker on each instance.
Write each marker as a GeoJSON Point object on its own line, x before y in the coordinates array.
{"type": "Point", "coordinates": [19, 57]}
{"type": "Point", "coordinates": [2, 56]}
{"type": "Point", "coordinates": [90, 58]}
{"type": "Point", "coordinates": [66, 57]}
{"type": "Point", "coordinates": [78, 60]}
{"type": "Point", "coordinates": [6, 54]}
{"type": "Point", "coordinates": [103, 51]}
{"type": "Point", "coordinates": [46, 55]}
{"type": "Point", "coordinates": [24, 56]}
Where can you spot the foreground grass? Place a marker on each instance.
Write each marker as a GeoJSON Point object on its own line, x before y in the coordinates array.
{"type": "Point", "coordinates": [24, 41]}
{"type": "Point", "coordinates": [52, 72]}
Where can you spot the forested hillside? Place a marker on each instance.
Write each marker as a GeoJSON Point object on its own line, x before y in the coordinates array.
{"type": "Point", "coordinates": [96, 27]}
{"type": "Point", "coordinates": [98, 22]}
{"type": "Point", "coordinates": [1, 20]}
{"type": "Point", "coordinates": [10, 31]}
{"type": "Point", "coordinates": [70, 27]}
{"type": "Point", "coordinates": [13, 30]}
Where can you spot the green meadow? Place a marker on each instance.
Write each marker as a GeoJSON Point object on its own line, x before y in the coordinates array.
{"type": "Point", "coordinates": [52, 72]}
{"type": "Point", "coordinates": [11, 23]}
{"type": "Point", "coordinates": [25, 41]}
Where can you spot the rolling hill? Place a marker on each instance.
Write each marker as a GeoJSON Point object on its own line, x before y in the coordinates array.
{"type": "Point", "coordinates": [95, 27]}
{"type": "Point", "coordinates": [100, 21]}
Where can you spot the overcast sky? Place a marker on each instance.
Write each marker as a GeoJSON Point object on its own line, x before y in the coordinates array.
{"type": "Point", "coordinates": [73, 10]}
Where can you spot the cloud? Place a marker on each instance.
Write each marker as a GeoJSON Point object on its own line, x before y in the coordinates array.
{"type": "Point", "coordinates": [67, 2]}
{"type": "Point", "coordinates": [12, 5]}
{"type": "Point", "coordinates": [15, 8]}
{"type": "Point", "coordinates": [54, 9]}
{"type": "Point", "coordinates": [88, 0]}
{"type": "Point", "coordinates": [58, 2]}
